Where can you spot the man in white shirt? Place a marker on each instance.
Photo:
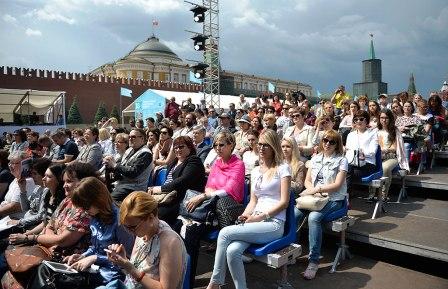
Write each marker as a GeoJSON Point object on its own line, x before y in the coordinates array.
{"type": "Point", "coordinates": [243, 104]}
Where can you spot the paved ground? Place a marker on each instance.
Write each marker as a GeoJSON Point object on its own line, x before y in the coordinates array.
{"type": "Point", "coordinates": [358, 272]}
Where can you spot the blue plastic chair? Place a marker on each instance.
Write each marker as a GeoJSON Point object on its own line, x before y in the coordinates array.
{"type": "Point", "coordinates": [378, 168]}
{"type": "Point", "coordinates": [342, 212]}
{"type": "Point", "coordinates": [289, 235]}
{"type": "Point", "coordinates": [187, 274]}
{"type": "Point", "coordinates": [160, 177]}
{"type": "Point", "coordinates": [208, 141]}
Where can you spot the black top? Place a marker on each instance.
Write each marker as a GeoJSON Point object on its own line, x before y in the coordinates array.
{"type": "Point", "coordinates": [69, 148]}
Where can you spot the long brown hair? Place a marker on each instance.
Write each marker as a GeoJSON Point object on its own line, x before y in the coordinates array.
{"type": "Point", "coordinates": [138, 204]}
{"type": "Point", "coordinates": [333, 135]}
{"type": "Point", "coordinates": [92, 192]}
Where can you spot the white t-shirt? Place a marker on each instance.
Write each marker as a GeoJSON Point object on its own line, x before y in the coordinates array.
{"type": "Point", "coordinates": [249, 159]}
{"type": "Point", "coordinates": [13, 194]}
{"type": "Point", "coordinates": [268, 191]}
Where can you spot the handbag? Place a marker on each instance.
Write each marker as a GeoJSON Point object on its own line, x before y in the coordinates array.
{"type": "Point", "coordinates": [165, 198]}
{"type": "Point", "coordinates": [22, 259]}
{"type": "Point", "coordinates": [227, 211]}
{"type": "Point", "coordinates": [202, 213]}
{"type": "Point", "coordinates": [356, 161]}
{"type": "Point", "coordinates": [314, 202]}
{"type": "Point", "coordinates": [46, 278]}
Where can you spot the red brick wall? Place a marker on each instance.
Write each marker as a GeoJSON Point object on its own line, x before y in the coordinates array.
{"type": "Point", "coordinates": [89, 90]}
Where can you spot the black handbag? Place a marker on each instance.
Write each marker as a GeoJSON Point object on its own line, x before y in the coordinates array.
{"type": "Point", "coordinates": [227, 211]}
{"type": "Point", "coordinates": [46, 278]}
{"type": "Point", "coordinates": [202, 213]}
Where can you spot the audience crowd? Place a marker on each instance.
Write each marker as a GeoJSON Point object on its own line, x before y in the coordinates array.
{"type": "Point", "coordinates": [89, 196]}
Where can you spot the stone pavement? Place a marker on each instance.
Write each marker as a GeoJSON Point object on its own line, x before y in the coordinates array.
{"type": "Point", "coordinates": [358, 272]}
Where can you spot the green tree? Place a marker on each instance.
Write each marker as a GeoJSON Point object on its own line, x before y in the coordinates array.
{"type": "Point", "coordinates": [114, 113]}
{"type": "Point", "coordinates": [100, 112]}
{"type": "Point", "coordinates": [74, 116]}
{"type": "Point", "coordinates": [411, 87]}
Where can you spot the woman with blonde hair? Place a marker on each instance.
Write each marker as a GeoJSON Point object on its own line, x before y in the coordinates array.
{"type": "Point", "coordinates": [291, 155]}
{"type": "Point", "coordinates": [105, 142]}
{"type": "Point", "coordinates": [326, 174]}
{"type": "Point", "coordinates": [264, 217]}
{"type": "Point", "coordinates": [159, 258]}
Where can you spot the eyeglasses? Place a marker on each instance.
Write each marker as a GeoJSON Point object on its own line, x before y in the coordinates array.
{"type": "Point", "coordinates": [263, 145]}
{"type": "Point", "coordinates": [296, 115]}
{"type": "Point", "coordinates": [356, 119]}
{"type": "Point", "coordinates": [179, 147]}
{"type": "Point", "coordinates": [163, 132]}
{"type": "Point", "coordinates": [133, 228]}
{"type": "Point", "coordinates": [117, 142]}
{"type": "Point", "coordinates": [219, 145]}
{"type": "Point", "coordinates": [134, 136]}
{"type": "Point", "coordinates": [331, 142]}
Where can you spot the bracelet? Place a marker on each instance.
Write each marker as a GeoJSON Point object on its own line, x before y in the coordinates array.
{"type": "Point", "coordinates": [267, 216]}
{"type": "Point", "coordinates": [140, 277]}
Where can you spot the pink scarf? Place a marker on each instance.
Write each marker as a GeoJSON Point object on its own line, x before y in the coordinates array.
{"type": "Point", "coordinates": [228, 177]}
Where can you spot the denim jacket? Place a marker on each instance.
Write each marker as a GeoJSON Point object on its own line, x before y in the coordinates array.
{"type": "Point", "coordinates": [330, 169]}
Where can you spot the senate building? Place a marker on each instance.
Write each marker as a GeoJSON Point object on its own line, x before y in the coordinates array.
{"type": "Point", "coordinates": [153, 60]}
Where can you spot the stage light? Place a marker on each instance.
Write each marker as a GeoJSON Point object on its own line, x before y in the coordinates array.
{"type": "Point", "coordinates": [199, 13]}
{"type": "Point", "coordinates": [199, 70]}
{"type": "Point", "coordinates": [199, 42]}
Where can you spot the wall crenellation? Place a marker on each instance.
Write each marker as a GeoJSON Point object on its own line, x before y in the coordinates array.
{"type": "Point", "coordinates": [32, 73]}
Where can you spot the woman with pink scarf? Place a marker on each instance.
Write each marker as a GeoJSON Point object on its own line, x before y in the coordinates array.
{"type": "Point", "coordinates": [226, 179]}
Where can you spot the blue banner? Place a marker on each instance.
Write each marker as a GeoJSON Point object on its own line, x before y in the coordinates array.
{"type": "Point", "coordinates": [125, 92]}
{"type": "Point", "coordinates": [148, 103]}
{"type": "Point", "coordinates": [271, 87]}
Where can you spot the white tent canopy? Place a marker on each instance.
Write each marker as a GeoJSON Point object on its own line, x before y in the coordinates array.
{"type": "Point", "coordinates": [27, 101]}
{"type": "Point", "coordinates": [196, 97]}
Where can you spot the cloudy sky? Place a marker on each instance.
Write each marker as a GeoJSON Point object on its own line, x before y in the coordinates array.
{"type": "Point", "coordinates": [319, 42]}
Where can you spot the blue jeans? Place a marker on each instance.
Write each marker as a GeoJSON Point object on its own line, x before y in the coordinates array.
{"type": "Point", "coordinates": [234, 240]}
{"type": "Point", "coordinates": [315, 226]}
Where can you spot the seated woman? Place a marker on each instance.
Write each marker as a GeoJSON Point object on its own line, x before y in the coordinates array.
{"type": "Point", "coordinates": [264, 217]}
{"type": "Point", "coordinates": [361, 147]}
{"type": "Point", "coordinates": [323, 124]}
{"type": "Point", "coordinates": [152, 134]}
{"type": "Point", "coordinates": [226, 179]}
{"type": "Point", "coordinates": [185, 172]}
{"type": "Point", "coordinates": [291, 155]}
{"type": "Point", "coordinates": [159, 258]}
{"type": "Point", "coordinates": [92, 195]}
{"type": "Point", "coordinates": [346, 124]}
{"type": "Point", "coordinates": [121, 145]}
{"type": "Point", "coordinates": [92, 152]}
{"type": "Point", "coordinates": [250, 157]}
{"type": "Point", "coordinates": [392, 148]}
{"type": "Point", "coordinates": [162, 148]}
{"type": "Point", "coordinates": [68, 228]}
{"type": "Point", "coordinates": [302, 133]}
{"type": "Point", "coordinates": [326, 174]}
{"type": "Point", "coordinates": [105, 142]}
{"type": "Point", "coordinates": [440, 121]}
{"type": "Point", "coordinates": [374, 113]}
{"type": "Point", "coordinates": [404, 124]}
{"type": "Point", "coordinates": [5, 175]}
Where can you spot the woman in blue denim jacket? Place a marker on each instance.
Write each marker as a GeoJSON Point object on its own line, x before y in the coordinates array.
{"type": "Point", "coordinates": [93, 196]}
{"type": "Point", "coordinates": [326, 174]}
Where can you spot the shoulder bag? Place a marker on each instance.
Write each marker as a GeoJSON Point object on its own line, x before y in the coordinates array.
{"type": "Point", "coordinates": [202, 213]}
{"type": "Point", "coordinates": [22, 259]}
{"type": "Point", "coordinates": [227, 211]}
{"type": "Point", "coordinates": [314, 202]}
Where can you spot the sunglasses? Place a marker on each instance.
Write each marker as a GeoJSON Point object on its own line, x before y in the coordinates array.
{"type": "Point", "coordinates": [179, 147]}
{"type": "Point", "coordinates": [331, 142]}
{"type": "Point", "coordinates": [163, 132]}
{"type": "Point", "coordinates": [117, 142]}
{"type": "Point", "coordinates": [356, 119]}
{"type": "Point", "coordinates": [219, 145]}
{"type": "Point", "coordinates": [263, 145]}
{"type": "Point", "coordinates": [134, 136]}
{"type": "Point", "coordinates": [296, 115]}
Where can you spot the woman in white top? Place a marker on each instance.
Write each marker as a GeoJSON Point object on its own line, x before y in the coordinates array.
{"type": "Point", "coordinates": [347, 121]}
{"type": "Point", "coordinates": [105, 142]}
{"type": "Point", "coordinates": [301, 132]}
{"type": "Point", "coordinates": [361, 147]}
{"type": "Point", "coordinates": [326, 174]}
{"type": "Point", "coordinates": [250, 157]}
{"type": "Point", "coordinates": [264, 217]}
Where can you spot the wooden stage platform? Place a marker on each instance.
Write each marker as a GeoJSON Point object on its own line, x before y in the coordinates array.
{"type": "Point", "coordinates": [418, 225]}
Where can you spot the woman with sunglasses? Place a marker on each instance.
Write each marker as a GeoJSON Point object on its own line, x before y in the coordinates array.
{"type": "Point", "coordinates": [361, 147]}
{"type": "Point", "coordinates": [392, 148]}
{"type": "Point", "coordinates": [162, 148]}
{"type": "Point", "coordinates": [92, 195]}
{"type": "Point", "coordinates": [185, 172]}
{"type": "Point", "coordinates": [327, 174]}
{"type": "Point", "coordinates": [226, 180]}
{"type": "Point", "coordinates": [264, 217]}
{"type": "Point", "coordinates": [302, 133]}
{"type": "Point", "coordinates": [159, 258]}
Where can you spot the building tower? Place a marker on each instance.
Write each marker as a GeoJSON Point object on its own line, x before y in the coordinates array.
{"type": "Point", "coordinates": [371, 84]}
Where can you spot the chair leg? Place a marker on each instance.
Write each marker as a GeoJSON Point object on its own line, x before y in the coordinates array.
{"type": "Point", "coordinates": [342, 253]}
{"type": "Point", "coordinates": [284, 283]}
{"type": "Point", "coordinates": [336, 260]}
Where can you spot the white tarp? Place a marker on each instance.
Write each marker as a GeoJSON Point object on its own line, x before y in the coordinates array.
{"type": "Point", "coordinates": [27, 101]}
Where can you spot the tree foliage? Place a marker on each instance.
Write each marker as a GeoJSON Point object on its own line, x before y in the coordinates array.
{"type": "Point", "coordinates": [74, 116]}
{"type": "Point", "coordinates": [100, 112]}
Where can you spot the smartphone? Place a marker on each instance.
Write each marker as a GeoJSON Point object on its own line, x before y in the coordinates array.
{"type": "Point", "coordinates": [108, 251]}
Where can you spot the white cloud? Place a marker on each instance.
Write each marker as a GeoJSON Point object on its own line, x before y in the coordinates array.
{"type": "Point", "coordinates": [8, 18]}
{"type": "Point", "coordinates": [31, 32]}
{"type": "Point", "coordinates": [48, 14]}
{"type": "Point", "coordinates": [246, 16]}
{"type": "Point", "coordinates": [302, 5]}
{"type": "Point", "coordinates": [149, 6]}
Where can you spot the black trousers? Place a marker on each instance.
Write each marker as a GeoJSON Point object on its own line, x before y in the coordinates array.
{"type": "Point", "coordinates": [356, 173]}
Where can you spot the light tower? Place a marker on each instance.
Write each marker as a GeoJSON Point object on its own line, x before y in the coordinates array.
{"type": "Point", "coordinates": [208, 42]}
